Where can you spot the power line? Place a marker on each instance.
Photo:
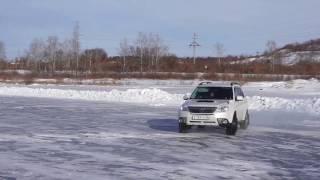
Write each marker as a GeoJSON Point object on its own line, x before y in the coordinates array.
{"type": "Point", "coordinates": [194, 44]}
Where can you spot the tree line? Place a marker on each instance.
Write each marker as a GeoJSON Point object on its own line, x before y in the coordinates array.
{"type": "Point", "coordinates": [147, 53]}
{"type": "Point", "coordinates": [53, 55]}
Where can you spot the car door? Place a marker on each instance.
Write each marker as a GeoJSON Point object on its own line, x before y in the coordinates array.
{"type": "Point", "coordinates": [237, 103]}
{"type": "Point", "coordinates": [244, 104]}
{"type": "Point", "coordinates": [241, 105]}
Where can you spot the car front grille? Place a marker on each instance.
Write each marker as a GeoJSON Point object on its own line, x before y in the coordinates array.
{"type": "Point", "coordinates": [202, 110]}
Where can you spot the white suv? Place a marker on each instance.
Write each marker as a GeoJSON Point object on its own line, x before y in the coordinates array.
{"type": "Point", "coordinates": [213, 104]}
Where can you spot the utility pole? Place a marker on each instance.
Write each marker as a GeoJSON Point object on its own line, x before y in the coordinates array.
{"type": "Point", "coordinates": [219, 50]}
{"type": "Point", "coordinates": [194, 44]}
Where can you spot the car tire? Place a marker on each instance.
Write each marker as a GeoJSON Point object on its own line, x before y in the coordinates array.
{"type": "Point", "coordinates": [183, 128]}
{"type": "Point", "coordinates": [233, 127]}
{"type": "Point", "coordinates": [244, 124]}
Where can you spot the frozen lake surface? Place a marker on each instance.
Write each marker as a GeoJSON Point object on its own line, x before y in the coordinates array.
{"type": "Point", "coordinates": [47, 138]}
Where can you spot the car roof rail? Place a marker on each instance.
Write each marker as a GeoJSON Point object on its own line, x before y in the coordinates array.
{"type": "Point", "coordinates": [235, 83]}
{"type": "Point", "coordinates": [210, 82]}
{"type": "Point", "coordinates": [204, 83]}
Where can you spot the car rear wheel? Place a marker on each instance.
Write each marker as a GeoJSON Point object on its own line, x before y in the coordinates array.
{"type": "Point", "coordinates": [233, 127]}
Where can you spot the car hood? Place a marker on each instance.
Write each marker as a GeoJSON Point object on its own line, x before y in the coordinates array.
{"type": "Point", "coordinates": [205, 103]}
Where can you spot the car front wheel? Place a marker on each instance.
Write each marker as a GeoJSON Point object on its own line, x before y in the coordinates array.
{"type": "Point", "coordinates": [183, 128]}
{"type": "Point", "coordinates": [233, 127]}
{"type": "Point", "coordinates": [244, 124]}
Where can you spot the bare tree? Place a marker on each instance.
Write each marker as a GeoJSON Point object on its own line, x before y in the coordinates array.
{"type": "Point", "coordinates": [76, 44]}
{"type": "Point", "coordinates": [67, 56]}
{"type": "Point", "coordinates": [2, 51]}
{"type": "Point", "coordinates": [219, 50]}
{"type": "Point", "coordinates": [124, 52]}
{"type": "Point", "coordinates": [158, 49]}
{"type": "Point", "coordinates": [271, 46]}
{"type": "Point", "coordinates": [52, 49]}
{"type": "Point", "coordinates": [90, 55]}
{"type": "Point", "coordinates": [2, 55]}
{"type": "Point", "coordinates": [141, 47]}
{"type": "Point", "coordinates": [96, 57]}
{"type": "Point", "coordinates": [36, 53]}
{"type": "Point", "coordinates": [271, 51]}
{"type": "Point", "coordinates": [150, 48]}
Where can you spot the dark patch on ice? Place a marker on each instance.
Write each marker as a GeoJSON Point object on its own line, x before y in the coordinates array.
{"type": "Point", "coordinates": [200, 143]}
{"type": "Point", "coordinates": [7, 178]}
{"type": "Point", "coordinates": [222, 177]}
{"type": "Point", "coordinates": [7, 146]}
{"type": "Point", "coordinates": [169, 125]}
{"type": "Point", "coordinates": [112, 167]}
{"type": "Point", "coordinates": [145, 154]}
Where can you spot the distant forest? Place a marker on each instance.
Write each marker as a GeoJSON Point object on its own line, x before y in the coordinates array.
{"type": "Point", "coordinates": [148, 54]}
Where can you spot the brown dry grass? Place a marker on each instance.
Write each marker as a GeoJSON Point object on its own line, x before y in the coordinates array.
{"type": "Point", "coordinates": [14, 77]}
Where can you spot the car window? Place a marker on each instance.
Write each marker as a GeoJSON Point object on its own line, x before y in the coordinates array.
{"type": "Point", "coordinates": [212, 93]}
{"type": "Point", "coordinates": [241, 92]}
{"type": "Point", "coordinates": [238, 91]}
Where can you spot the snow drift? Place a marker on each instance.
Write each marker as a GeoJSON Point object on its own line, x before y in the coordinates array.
{"type": "Point", "coordinates": [311, 105]}
{"type": "Point", "coordinates": [145, 96]}
{"type": "Point", "coordinates": [157, 97]}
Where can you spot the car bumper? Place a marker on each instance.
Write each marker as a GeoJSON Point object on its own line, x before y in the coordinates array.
{"type": "Point", "coordinates": [215, 119]}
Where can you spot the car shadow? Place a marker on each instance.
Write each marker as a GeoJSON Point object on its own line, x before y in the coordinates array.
{"type": "Point", "coordinates": [169, 125]}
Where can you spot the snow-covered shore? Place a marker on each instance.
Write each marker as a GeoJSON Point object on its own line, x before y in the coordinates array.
{"type": "Point", "coordinates": [143, 96]}
{"type": "Point", "coordinates": [158, 96]}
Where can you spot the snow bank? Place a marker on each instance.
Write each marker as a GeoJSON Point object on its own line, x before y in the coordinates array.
{"type": "Point", "coordinates": [158, 97]}
{"type": "Point", "coordinates": [145, 96]}
{"type": "Point", "coordinates": [311, 84]}
{"type": "Point", "coordinates": [292, 58]}
{"type": "Point", "coordinates": [311, 105]}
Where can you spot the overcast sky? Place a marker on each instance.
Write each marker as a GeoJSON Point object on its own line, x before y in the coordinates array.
{"type": "Point", "coordinates": [243, 26]}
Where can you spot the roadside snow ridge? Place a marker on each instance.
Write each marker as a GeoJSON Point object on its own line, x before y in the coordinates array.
{"type": "Point", "coordinates": [157, 97]}
{"type": "Point", "coordinates": [258, 103]}
{"type": "Point", "coordinates": [145, 96]}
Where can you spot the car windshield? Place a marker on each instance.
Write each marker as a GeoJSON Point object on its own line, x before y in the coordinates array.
{"type": "Point", "coordinates": [212, 93]}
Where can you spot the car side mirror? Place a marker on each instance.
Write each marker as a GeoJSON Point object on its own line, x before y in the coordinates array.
{"type": "Point", "coordinates": [239, 98]}
{"type": "Point", "coordinates": [186, 97]}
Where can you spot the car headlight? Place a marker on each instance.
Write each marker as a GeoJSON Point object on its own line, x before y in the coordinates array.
{"type": "Point", "coordinates": [184, 108]}
{"type": "Point", "coordinates": [222, 109]}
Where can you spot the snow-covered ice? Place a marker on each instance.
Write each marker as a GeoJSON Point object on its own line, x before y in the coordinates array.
{"type": "Point", "coordinates": [130, 132]}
